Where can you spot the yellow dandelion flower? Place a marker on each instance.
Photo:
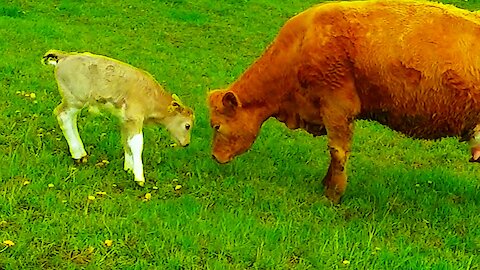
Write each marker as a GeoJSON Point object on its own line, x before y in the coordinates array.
{"type": "Point", "coordinates": [9, 243]}
{"type": "Point", "coordinates": [33, 95]}
{"type": "Point", "coordinates": [51, 185]}
{"type": "Point", "coordinates": [91, 198]}
{"type": "Point", "coordinates": [148, 196]}
{"type": "Point", "coordinates": [102, 163]}
{"type": "Point", "coordinates": [178, 187]}
{"type": "Point", "coordinates": [26, 182]}
{"type": "Point", "coordinates": [346, 262]}
{"type": "Point", "coordinates": [108, 243]}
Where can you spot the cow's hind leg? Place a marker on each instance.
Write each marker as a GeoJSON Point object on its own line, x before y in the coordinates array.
{"type": "Point", "coordinates": [67, 119]}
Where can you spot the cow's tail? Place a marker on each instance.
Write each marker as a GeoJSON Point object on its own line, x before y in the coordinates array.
{"type": "Point", "coordinates": [53, 56]}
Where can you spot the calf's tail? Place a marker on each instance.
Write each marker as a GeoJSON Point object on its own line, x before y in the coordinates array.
{"type": "Point", "coordinates": [53, 56]}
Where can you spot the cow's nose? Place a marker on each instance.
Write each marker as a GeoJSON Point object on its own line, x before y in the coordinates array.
{"type": "Point", "coordinates": [186, 145]}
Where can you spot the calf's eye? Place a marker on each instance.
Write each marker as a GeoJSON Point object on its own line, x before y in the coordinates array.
{"type": "Point", "coordinates": [187, 126]}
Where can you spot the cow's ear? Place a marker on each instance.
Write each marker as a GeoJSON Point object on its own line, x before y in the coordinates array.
{"type": "Point", "coordinates": [230, 100]}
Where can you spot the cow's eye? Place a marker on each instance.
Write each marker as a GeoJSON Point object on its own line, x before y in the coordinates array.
{"type": "Point", "coordinates": [187, 126]}
{"type": "Point", "coordinates": [216, 127]}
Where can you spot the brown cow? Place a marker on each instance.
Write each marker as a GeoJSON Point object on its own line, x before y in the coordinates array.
{"type": "Point", "coordinates": [413, 66]}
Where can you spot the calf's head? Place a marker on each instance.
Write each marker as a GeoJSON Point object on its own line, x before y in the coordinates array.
{"type": "Point", "coordinates": [179, 122]}
{"type": "Point", "coordinates": [235, 127]}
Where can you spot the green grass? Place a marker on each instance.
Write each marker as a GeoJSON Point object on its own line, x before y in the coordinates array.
{"type": "Point", "coordinates": [410, 204]}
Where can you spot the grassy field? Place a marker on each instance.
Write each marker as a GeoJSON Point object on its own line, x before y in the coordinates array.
{"type": "Point", "coordinates": [410, 204]}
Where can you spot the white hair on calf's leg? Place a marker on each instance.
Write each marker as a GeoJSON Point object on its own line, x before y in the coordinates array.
{"type": "Point", "coordinates": [135, 143]}
{"type": "Point", "coordinates": [67, 120]}
{"type": "Point", "coordinates": [128, 164]}
{"type": "Point", "coordinates": [132, 137]}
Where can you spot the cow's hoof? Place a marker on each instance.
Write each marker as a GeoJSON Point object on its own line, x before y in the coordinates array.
{"type": "Point", "coordinates": [474, 160]}
{"type": "Point", "coordinates": [333, 196]}
{"type": "Point", "coordinates": [140, 183]}
{"type": "Point", "coordinates": [80, 161]}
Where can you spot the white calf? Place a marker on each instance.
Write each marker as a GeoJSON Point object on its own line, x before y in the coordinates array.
{"type": "Point", "coordinates": [88, 80]}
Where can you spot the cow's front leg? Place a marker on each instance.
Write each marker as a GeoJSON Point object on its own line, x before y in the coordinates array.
{"type": "Point", "coordinates": [67, 119]}
{"type": "Point", "coordinates": [339, 143]}
{"type": "Point", "coordinates": [133, 144]}
{"type": "Point", "coordinates": [338, 114]}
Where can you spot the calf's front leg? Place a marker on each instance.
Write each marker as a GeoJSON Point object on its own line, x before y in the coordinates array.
{"type": "Point", "coordinates": [128, 164]}
{"type": "Point", "coordinates": [67, 119]}
{"type": "Point", "coordinates": [133, 145]}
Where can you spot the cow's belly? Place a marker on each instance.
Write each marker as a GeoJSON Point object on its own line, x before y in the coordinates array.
{"type": "Point", "coordinates": [427, 126]}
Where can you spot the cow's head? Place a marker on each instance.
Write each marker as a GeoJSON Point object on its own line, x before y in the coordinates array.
{"type": "Point", "coordinates": [235, 127]}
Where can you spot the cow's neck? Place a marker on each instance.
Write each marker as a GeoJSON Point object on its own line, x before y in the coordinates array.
{"type": "Point", "coordinates": [264, 85]}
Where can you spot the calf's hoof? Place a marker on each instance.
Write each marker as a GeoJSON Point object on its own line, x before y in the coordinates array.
{"type": "Point", "coordinates": [80, 161]}
{"type": "Point", "coordinates": [140, 183]}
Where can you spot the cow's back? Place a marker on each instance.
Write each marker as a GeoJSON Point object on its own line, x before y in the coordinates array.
{"type": "Point", "coordinates": [416, 64]}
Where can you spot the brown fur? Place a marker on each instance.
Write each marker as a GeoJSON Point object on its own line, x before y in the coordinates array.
{"type": "Point", "coordinates": [411, 65]}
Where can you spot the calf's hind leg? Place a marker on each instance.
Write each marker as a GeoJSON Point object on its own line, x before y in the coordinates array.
{"type": "Point", "coordinates": [67, 119]}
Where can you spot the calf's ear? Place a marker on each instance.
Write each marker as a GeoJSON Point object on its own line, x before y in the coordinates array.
{"type": "Point", "coordinates": [174, 106]}
{"type": "Point", "coordinates": [230, 101]}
